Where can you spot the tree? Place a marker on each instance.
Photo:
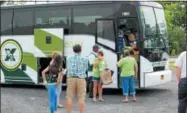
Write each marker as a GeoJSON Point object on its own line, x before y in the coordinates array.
{"type": "Point", "coordinates": [175, 13]}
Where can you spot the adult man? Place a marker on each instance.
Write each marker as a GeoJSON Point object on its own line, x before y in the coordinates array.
{"type": "Point", "coordinates": [182, 82]}
{"type": "Point", "coordinates": [91, 57]}
{"type": "Point", "coordinates": [76, 83]}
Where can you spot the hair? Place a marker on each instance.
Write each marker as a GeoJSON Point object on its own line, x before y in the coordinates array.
{"type": "Point", "coordinates": [77, 48]}
{"type": "Point", "coordinates": [126, 53]}
{"type": "Point", "coordinates": [54, 54]}
{"type": "Point", "coordinates": [100, 52]}
{"type": "Point", "coordinates": [56, 65]}
{"type": "Point", "coordinates": [95, 47]}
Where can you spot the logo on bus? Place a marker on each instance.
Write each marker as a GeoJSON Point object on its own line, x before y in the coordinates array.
{"type": "Point", "coordinates": [11, 54]}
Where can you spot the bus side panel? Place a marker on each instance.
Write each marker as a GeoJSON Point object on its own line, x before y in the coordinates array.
{"type": "Point", "coordinates": [18, 62]}
{"type": "Point", "coordinates": [47, 41]}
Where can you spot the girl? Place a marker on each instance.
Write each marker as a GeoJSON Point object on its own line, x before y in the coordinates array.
{"type": "Point", "coordinates": [54, 79]}
{"type": "Point", "coordinates": [98, 66]}
{"type": "Point", "coordinates": [59, 87]}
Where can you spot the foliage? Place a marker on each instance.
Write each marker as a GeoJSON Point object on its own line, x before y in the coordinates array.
{"type": "Point", "coordinates": [175, 13]}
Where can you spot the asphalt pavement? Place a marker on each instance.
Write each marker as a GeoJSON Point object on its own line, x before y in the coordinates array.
{"type": "Point", "coordinates": [158, 99]}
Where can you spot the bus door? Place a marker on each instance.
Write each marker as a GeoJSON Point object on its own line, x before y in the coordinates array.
{"type": "Point", "coordinates": [106, 39]}
{"type": "Point", "coordinates": [125, 27]}
{"type": "Point", "coordinates": [46, 42]}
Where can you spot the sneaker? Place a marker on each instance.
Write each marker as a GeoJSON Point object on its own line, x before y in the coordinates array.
{"type": "Point", "coordinates": [101, 100]}
{"type": "Point", "coordinates": [94, 99]}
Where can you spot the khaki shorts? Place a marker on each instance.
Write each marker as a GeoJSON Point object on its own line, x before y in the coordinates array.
{"type": "Point", "coordinates": [76, 86]}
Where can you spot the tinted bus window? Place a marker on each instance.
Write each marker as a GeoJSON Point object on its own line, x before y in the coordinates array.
{"type": "Point", "coordinates": [6, 22]}
{"type": "Point", "coordinates": [23, 22]}
{"type": "Point", "coordinates": [148, 21]}
{"type": "Point", "coordinates": [53, 18]}
{"type": "Point", "coordinates": [84, 17]}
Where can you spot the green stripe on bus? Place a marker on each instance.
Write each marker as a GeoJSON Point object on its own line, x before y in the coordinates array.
{"type": "Point", "coordinates": [47, 49]}
{"type": "Point", "coordinates": [15, 75]}
{"type": "Point", "coordinates": [30, 60]}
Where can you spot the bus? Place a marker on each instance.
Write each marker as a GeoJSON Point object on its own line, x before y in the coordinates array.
{"type": "Point", "coordinates": [30, 33]}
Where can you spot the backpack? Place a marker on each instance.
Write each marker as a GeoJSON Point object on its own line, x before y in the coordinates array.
{"type": "Point", "coordinates": [90, 66]}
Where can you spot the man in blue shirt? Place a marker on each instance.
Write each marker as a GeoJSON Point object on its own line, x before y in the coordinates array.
{"type": "Point", "coordinates": [77, 66]}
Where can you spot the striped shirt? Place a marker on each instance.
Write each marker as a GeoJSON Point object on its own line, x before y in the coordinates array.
{"type": "Point", "coordinates": [77, 66]}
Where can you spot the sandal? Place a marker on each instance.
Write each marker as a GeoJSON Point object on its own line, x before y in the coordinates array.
{"type": "Point", "coordinates": [101, 100]}
{"type": "Point", "coordinates": [125, 101]}
{"type": "Point", "coordinates": [60, 106]}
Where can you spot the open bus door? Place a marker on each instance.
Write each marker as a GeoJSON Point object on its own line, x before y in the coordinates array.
{"type": "Point", "coordinates": [46, 42]}
{"type": "Point", "coordinates": [106, 39]}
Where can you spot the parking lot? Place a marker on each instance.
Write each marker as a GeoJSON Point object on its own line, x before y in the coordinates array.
{"type": "Point", "coordinates": [158, 99]}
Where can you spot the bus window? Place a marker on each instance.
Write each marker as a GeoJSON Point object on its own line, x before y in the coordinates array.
{"type": "Point", "coordinates": [148, 21]}
{"type": "Point", "coordinates": [106, 33]}
{"type": "Point", "coordinates": [84, 17]}
{"type": "Point", "coordinates": [23, 22]}
{"type": "Point", "coordinates": [6, 22]}
{"type": "Point", "coordinates": [53, 18]}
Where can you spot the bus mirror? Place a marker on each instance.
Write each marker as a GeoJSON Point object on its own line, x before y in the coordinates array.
{"type": "Point", "coordinates": [48, 40]}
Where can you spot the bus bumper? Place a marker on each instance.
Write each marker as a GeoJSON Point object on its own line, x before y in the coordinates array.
{"type": "Point", "coordinates": [157, 78]}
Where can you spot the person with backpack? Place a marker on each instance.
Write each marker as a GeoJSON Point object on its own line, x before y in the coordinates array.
{"type": "Point", "coordinates": [52, 76]}
{"type": "Point", "coordinates": [92, 56]}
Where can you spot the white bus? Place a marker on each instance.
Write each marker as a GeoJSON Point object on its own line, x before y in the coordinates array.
{"type": "Point", "coordinates": [30, 33]}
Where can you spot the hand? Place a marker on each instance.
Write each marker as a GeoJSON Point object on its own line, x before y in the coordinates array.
{"type": "Point", "coordinates": [44, 82]}
{"type": "Point", "coordinates": [178, 83]}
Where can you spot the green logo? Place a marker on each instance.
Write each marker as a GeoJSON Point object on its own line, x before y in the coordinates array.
{"type": "Point", "coordinates": [11, 54]}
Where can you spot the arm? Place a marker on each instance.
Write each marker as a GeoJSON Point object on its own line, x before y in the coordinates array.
{"type": "Point", "coordinates": [95, 63]}
{"type": "Point", "coordinates": [44, 75]}
{"type": "Point", "coordinates": [120, 63]}
{"type": "Point", "coordinates": [59, 79]}
{"type": "Point", "coordinates": [136, 69]}
{"type": "Point", "coordinates": [178, 65]}
{"type": "Point", "coordinates": [178, 73]}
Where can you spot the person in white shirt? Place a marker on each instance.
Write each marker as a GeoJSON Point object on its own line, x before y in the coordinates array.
{"type": "Point", "coordinates": [182, 82]}
{"type": "Point", "coordinates": [92, 56]}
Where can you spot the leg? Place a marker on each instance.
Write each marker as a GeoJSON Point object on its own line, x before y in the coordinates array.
{"type": "Point", "coordinates": [71, 87]}
{"type": "Point", "coordinates": [182, 95]}
{"type": "Point", "coordinates": [125, 88]}
{"type": "Point", "coordinates": [52, 98]}
{"type": "Point", "coordinates": [90, 86]}
{"type": "Point", "coordinates": [81, 91]}
{"type": "Point", "coordinates": [100, 87]}
{"type": "Point", "coordinates": [59, 90]}
{"type": "Point", "coordinates": [132, 87]}
{"type": "Point", "coordinates": [95, 85]}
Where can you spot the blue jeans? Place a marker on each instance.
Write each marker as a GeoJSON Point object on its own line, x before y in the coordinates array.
{"type": "Point", "coordinates": [52, 97]}
{"type": "Point", "coordinates": [58, 91]}
{"type": "Point", "coordinates": [128, 83]}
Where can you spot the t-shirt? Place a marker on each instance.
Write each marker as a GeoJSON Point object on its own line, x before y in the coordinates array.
{"type": "Point", "coordinates": [127, 65]}
{"type": "Point", "coordinates": [101, 66]}
{"type": "Point", "coordinates": [181, 62]}
{"type": "Point", "coordinates": [52, 77]}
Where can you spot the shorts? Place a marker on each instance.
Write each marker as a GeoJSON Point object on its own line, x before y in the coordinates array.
{"type": "Point", "coordinates": [95, 79]}
{"type": "Point", "coordinates": [76, 86]}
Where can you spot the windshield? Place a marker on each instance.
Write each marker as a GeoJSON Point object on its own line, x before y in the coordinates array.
{"type": "Point", "coordinates": [154, 34]}
{"type": "Point", "coordinates": [154, 27]}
